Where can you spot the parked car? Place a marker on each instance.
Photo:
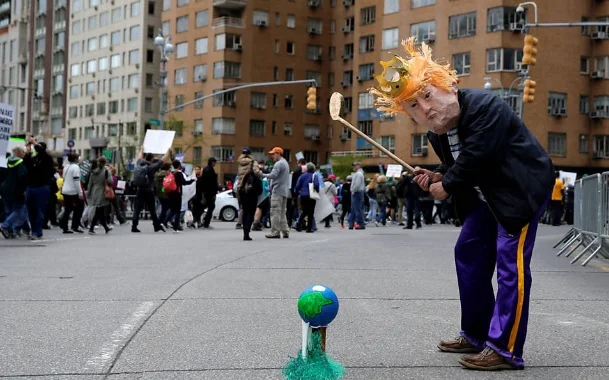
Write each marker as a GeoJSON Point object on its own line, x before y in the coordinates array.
{"type": "Point", "coordinates": [227, 207]}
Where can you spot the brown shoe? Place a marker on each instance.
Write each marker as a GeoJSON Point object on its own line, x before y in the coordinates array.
{"type": "Point", "coordinates": [487, 360]}
{"type": "Point", "coordinates": [459, 345]}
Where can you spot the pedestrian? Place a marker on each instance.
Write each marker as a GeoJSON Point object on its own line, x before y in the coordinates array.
{"type": "Point", "coordinates": [558, 193]}
{"type": "Point", "coordinates": [209, 189]}
{"type": "Point", "coordinates": [307, 199]}
{"type": "Point", "coordinates": [280, 194]}
{"type": "Point", "coordinates": [41, 177]}
{"type": "Point", "coordinates": [500, 179]}
{"type": "Point", "coordinates": [358, 187]}
{"type": "Point", "coordinates": [12, 192]}
{"type": "Point", "coordinates": [73, 199]}
{"type": "Point", "coordinates": [175, 194]}
{"type": "Point", "coordinates": [249, 187]}
{"type": "Point", "coordinates": [96, 194]}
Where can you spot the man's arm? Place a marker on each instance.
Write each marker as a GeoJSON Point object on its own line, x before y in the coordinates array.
{"type": "Point", "coordinates": [274, 174]}
{"type": "Point", "coordinates": [490, 127]}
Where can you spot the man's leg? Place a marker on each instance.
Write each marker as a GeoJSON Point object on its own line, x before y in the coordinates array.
{"type": "Point", "coordinates": [508, 327]}
{"type": "Point", "coordinates": [211, 206]}
{"type": "Point", "coordinates": [69, 205]}
{"type": "Point", "coordinates": [276, 216]}
{"type": "Point", "coordinates": [150, 203]}
{"type": "Point", "coordinates": [283, 219]}
{"type": "Point", "coordinates": [409, 212]}
{"type": "Point", "coordinates": [137, 209]}
{"type": "Point", "coordinates": [475, 255]}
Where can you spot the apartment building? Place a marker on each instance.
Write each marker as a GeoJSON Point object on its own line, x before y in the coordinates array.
{"type": "Point", "coordinates": [225, 43]}
{"type": "Point", "coordinates": [14, 88]}
{"type": "Point", "coordinates": [47, 41]}
{"type": "Point", "coordinates": [113, 70]}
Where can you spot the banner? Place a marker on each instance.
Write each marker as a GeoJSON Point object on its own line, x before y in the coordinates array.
{"type": "Point", "coordinates": [6, 128]}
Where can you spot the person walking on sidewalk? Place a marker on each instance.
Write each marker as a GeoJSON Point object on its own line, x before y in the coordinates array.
{"type": "Point", "coordinates": [500, 179]}
{"type": "Point", "coordinates": [358, 187]}
{"type": "Point", "coordinates": [280, 193]}
{"type": "Point", "coordinates": [73, 198]}
{"type": "Point", "coordinates": [209, 189]}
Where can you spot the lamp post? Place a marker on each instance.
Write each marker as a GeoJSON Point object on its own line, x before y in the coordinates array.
{"type": "Point", "coordinates": [165, 47]}
{"type": "Point", "coordinates": [505, 95]}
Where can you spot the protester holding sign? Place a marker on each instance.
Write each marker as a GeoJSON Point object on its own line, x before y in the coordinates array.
{"type": "Point", "coordinates": [41, 173]}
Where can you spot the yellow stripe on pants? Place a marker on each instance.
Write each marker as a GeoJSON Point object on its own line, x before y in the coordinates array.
{"type": "Point", "coordinates": [520, 267]}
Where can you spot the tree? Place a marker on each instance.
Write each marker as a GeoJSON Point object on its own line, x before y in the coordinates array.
{"type": "Point", "coordinates": [342, 166]}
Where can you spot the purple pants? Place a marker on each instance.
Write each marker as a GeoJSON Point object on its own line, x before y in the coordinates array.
{"type": "Point", "coordinates": [502, 323]}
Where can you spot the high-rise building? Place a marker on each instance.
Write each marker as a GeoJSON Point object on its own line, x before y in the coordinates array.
{"type": "Point", "coordinates": [14, 85]}
{"type": "Point", "coordinates": [48, 38]}
{"type": "Point", "coordinates": [113, 66]}
{"type": "Point", "coordinates": [229, 42]}
{"type": "Point", "coordinates": [226, 43]}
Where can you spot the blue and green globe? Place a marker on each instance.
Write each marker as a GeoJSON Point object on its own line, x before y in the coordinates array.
{"type": "Point", "coordinates": [318, 305]}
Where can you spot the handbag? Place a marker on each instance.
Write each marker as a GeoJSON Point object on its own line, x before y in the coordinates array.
{"type": "Point", "coordinates": [108, 190]}
{"type": "Point", "coordinates": [313, 194]}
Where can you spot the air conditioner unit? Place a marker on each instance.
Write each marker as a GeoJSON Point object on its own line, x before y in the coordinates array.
{"type": "Point", "coordinates": [231, 104]}
{"type": "Point", "coordinates": [111, 48]}
{"type": "Point", "coordinates": [314, 3]}
{"type": "Point", "coordinates": [359, 79]}
{"type": "Point", "coordinates": [202, 78]}
{"type": "Point", "coordinates": [196, 133]}
{"type": "Point", "coordinates": [347, 3]}
{"type": "Point", "coordinates": [137, 90]}
{"type": "Point", "coordinates": [597, 74]}
{"type": "Point", "coordinates": [597, 115]}
{"type": "Point", "coordinates": [431, 37]}
{"type": "Point", "coordinates": [317, 58]}
{"type": "Point", "coordinates": [109, 94]}
{"type": "Point", "coordinates": [312, 30]}
{"type": "Point", "coordinates": [558, 112]}
{"type": "Point", "coordinates": [110, 71]}
{"type": "Point", "coordinates": [516, 26]}
{"type": "Point", "coordinates": [344, 137]}
{"type": "Point", "coordinates": [137, 65]}
{"type": "Point", "coordinates": [347, 29]}
{"type": "Point", "coordinates": [92, 97]}
{"type": "Point", "coordinates": [347, 57]}
{"type": "Point", "coordinates": [315, 137]}
{"type": "Point", "coordinates": [345, 84]}
{"type": "Point", "coordinates": [93, 75]}
{"type": "Point", "coordinates": [260, 23]}
{"type": "Point", "coordinates": [424, 152]}
{"type": "Point", "coordinates": [237, 47]}
{"type": "Point", "coordinates": [599, 35]}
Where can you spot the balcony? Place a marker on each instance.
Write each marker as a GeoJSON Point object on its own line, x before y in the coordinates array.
{"type": "Point", "coordinates": [5, 7]}
{"type": "Point", "coordinates": [357, 153]}
{"type": "Point", "coordinates": [58, 68]}
{"type": "Point", "coordinates": [60, 25]}
{"type": "Point", "coordinates": [230, 4]}
{"type": "Point", "coordinates": [232, 22]}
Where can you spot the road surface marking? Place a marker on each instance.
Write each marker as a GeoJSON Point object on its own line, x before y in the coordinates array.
{"type": "Point", "coordinates": [109, 350]}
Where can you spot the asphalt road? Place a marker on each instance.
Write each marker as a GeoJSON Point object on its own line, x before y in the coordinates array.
{"type": "Point", "coordinates": [206, 305]}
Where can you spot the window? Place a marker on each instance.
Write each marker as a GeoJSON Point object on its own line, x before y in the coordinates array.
{"type": "Point", "coordinates": [135, 9]}
{"type": "Point", "coordinates": [148, 105]}
{"type": "Point", "coordinates": [365, 126]}
{"type": "Point", "coordinates": [199, 73]}
{"type": "Point", "coordinates": [601, 105]}
{"type": "Point", "coordinates": [261, 18]}
{"type": "Point", "coordinates": [347, 51]}
{"type": "Point", "coordinates": [227, 41]}
{"type": "Point", "coordinates": [419, 144]}
{"type": "Point", "coordinates": [289, 101]}
{"type": "Point", "coordinates": [134, 81]}
{"type": "Point", "coordinates": [165, 27]}
{"type": "Point", "coordinates": [461, 63]}
{"type": "Point", "coordinates": [92, 44]}
{"type": "Point", "coordinates": [310, 156]}
{"type": "Point", "coordinates": [347, 78]}
{"type": "Point", "coordinates": [311, 130]}
{"type": "Point", "coordinates": [115, 61]}
{"type": "Point", "coordinates": [349, 25]}
{"type": "Point", "coordinates": [197, 155]}
{"type": "Point", "coordinates": [199, 104]}
{"type": "Point", "coordinates": [332, 53]}
{"type": "Point", "coordinates": [257, 128]}
{"type": "Point", "coordinates": [583, 144]}
{"type": "Point", "coordinates": [601, 67]}
{"type": "Point", "coordinates": [388, 142]}
{"type": "Point", "coordinates": [422, 3]}
{"type": "Point", "coordinates": [584, 65]}
{"type": "Point", "coordinates": [314, 52]}
{"type": "Point", "coordinates": [390, 38]}
{"type": "Point", "coordinates": [179, 101]}
{"type": "Point", "coordinates": [503, 60]}
{"type": "Point", "coordinates": [132, 105]}
{"type": "Point", "coordinates": [584, 104]}
{"type": "Point", "coordinates": [104, 41]}
{"type": "Point", "coordinates": [332, 26]}
{"type": "Point", "coordinates": [91, 66]}
{"type": "Point", "coordinates": [166, 5]}
{"type": "Point", "coordinates": [149, 56]}
{"type": "Point", "coordinates": [75, 49]}
{"type": "Point", "coordinates": [557, 144]}
{"type": "Point", "coordinates": [202, 19]}
{"type": "Point", "coordinates": [114, 84]}
{"type": "Point", "coordinates": [221, 126]}
{"type": "Point", "coordinates": [368, 15]}
{"type": "Point", "coordinates": [89, 110]}
{"type": "Point", "coordinates": [290, 48]}
{"type": "Point", "coordinates": [463, 25]}
{"type": "Point", "coordinates": [226, 99]}
{"type": "Point", "coordinates": [289, 74]}
{"type": "Point", "coordinates": [90, 88]}
{"type": "Point", "coordinates": [557, 103]}
{"type": "Point", "coordinates": [366, 71]}
{"type": "Point", "coordinates": [223, 153]}
{"type": "Point", "coordinates": [500, 18]}
{"type": "Point", "coordinates": [134, 56]}
{"type": "Point", "coordinates": [116, 15]}
{"type": "Point", "coordinates": [258, 100]}
{"type": "Point", "coordinates": [201, 46]}
{"type": "Point", "coordinates": [315, 26]}
{"type": "Point", "coordinates": [182, 3]}
{"type": "Point", "coordinates": [291, 21]}
{"type": "Point", "coordinates": [182, 24]}
{"type": "Point", "coordinates": [198, 125]}
{"type": "Point", "coordinates": [316, 75]}
{"type": "Point", "coordinates": [287, 129]}
{"type": "Point", "coordinates": [365, 100]}
{"type": "Point", "coordinates": [102, 64]}
{"type": "Point", "coordinates": [348, 107]}
{"type": "Point", "coordinates": [424, 31]}
{"type": "Point", "coordinates": [601, 146]}
{"type": "Point", "coordinates": [151, 7]}
{"type": "Point", "coordinates": [182, 50]}
{"type": "Point", "coordinates": [113, 107]}
{"type": "Point", "coordinates": [134, 33]}
{"type": "Point", "coordinates": [76, 28]}
{"type": "Point", "coordinates": [92, 22]}
{"type": "Point", "coordinates": [115, 38]}
{"type": "Point", "coordinates": [392, 6]}
{"type": "Point", "coordinates": [366, 44]}
{"type": "Point", "coordinates": [226, 69]}
{"type": "Point", "coordinates": [74, 92]}
{"type": "Point", "coordinates": [180, 76]}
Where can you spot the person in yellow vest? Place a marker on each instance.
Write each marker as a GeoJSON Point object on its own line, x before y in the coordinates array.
{"type": "Point", "coordinates": [557, 198]}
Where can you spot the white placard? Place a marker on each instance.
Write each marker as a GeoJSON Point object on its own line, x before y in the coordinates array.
{"type": "Point", "coordinates": [299, 156]}
{"type": "Point", "coordinates": [157, 141]}
{"type": "Point", "coordinates": [6, 128]}
{"type": "Point", "coordinates": [568, 178]}
{"type": "Point", "coordinates": [394, 171]}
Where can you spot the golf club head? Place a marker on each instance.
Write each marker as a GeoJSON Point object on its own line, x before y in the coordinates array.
{"type": "Point", "coordinates": [336, 105]}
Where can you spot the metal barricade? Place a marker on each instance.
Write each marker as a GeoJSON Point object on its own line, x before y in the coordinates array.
{"type": "Point", "coordinates": [590, 219]}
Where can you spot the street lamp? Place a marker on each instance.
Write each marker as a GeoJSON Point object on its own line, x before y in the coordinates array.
{"type": "Point", "coordinates": [165, 47]}
{"type": "Point", "coordinates": [505, 95]}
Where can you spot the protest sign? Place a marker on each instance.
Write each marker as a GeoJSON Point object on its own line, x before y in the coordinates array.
{"type": "Point", "coordinates": [6, 128]}
{"type": "Point", "coordinates": [158, 141]}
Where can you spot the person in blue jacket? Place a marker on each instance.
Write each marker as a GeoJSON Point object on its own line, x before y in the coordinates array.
{"type": "Point", "coordinates": [308, 203]}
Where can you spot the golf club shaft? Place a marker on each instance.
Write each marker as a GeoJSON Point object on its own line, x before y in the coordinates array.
{"type": "Point", "coordinates": [376, 145]}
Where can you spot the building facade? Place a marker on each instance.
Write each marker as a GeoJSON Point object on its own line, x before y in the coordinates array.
{"type": "Point", "coordinates": [228, 42]}
{"type": "Point", "coordinates": [113, 68]}
{"type": "Point", "coordinates": [14, 84]}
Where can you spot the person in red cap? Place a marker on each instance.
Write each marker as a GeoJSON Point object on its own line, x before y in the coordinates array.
{"type": "Point", "coordinates": [280, 192]}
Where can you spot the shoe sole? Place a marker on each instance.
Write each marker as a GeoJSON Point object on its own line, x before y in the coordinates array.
{"type": "Point", "coordinates": [458, 350]}
{"type": "Point", "coordinates": [498, 367]}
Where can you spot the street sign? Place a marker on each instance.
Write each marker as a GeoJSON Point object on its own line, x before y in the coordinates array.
{"type": "Point", "coordinates": [156, 122]}
{"type": "Point", "coordinates": [70, 143]}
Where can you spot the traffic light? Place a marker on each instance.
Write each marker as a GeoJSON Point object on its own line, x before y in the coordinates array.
{"type": "Point", "coordinates": [528, 94]}
{"type": "Point", "coordinates": [530, 50]}
{"type": "Point", "coordinates": [312, 98]}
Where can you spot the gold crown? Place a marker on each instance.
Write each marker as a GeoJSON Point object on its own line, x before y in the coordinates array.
{"type": "Point", "coordinates": [394, 78]}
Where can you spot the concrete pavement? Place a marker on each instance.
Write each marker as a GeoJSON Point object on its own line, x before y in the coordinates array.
{"type": "Point", "coordinates": [206, 305]}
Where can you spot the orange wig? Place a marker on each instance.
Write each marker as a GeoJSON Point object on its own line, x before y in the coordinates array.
{"type": "Point", "coordinates": [402, 80]}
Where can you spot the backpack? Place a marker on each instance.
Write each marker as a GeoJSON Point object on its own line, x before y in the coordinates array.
{"type": "Point", "coordinates": [140, 176]}
{"type": "Point", "coordinates": [169, 183]}
{"type": "Point", "coordinates": [251, 183]}
{"type": "Point", "coordinates": [158, 184]}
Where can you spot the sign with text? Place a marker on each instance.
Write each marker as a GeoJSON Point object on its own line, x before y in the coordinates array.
{"type": "Point", "coordinates": [6, 128]}
{"type": "Point", "coordinates": [394, 171]}
{"type": "Point", "coordinates": [158, 141]}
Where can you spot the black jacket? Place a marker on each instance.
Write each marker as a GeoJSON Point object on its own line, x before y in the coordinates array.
{"type": "Point", "coordinates": [209, 182]}
{"type": "Point", "coordinates": [500, 156]}
{"type": "Point", "coordinates": [40, 168]}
